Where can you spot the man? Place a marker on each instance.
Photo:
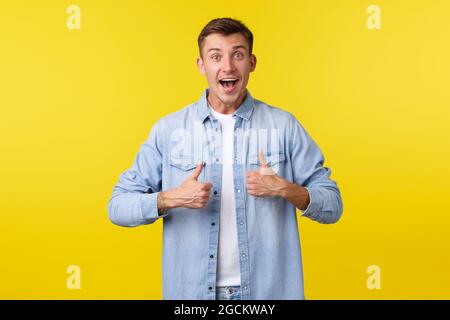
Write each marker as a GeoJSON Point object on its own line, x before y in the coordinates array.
{"type": "Point", "coordinates": [226, 175]}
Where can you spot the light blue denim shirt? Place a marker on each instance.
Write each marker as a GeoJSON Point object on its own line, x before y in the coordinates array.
{"type": "Point", "coordinates": [268, 237]}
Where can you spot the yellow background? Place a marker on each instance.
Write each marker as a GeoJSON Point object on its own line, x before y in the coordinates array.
{"type": "Point", "coordinates": [77, 104]}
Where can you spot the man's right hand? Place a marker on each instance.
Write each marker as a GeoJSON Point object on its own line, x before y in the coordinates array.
{"type": "Point", "coordinates": [190, 194]}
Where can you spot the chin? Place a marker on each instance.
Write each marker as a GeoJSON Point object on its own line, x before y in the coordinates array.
{"type": "Point", "coordinates": [227, 100]}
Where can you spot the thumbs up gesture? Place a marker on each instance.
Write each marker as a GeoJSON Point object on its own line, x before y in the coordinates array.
{"type": "Point", "coordinates": [191, 193]}
{"type": "Point", "coordinates": [264, 182]}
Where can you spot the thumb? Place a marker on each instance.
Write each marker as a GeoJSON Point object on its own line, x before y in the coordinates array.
{"type": "Point", "coordinates": [262, 159]}
{"type": "Point", "coordinates": [265, 170]}
{"type": "Point", "coordinates": [197, 171]}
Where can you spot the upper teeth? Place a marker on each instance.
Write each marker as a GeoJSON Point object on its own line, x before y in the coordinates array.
{"type": "Point", "coordinates": [228, 79]}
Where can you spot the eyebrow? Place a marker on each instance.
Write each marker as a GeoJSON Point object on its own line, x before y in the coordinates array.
{"type": "Point", "coordinates": [240, 46]}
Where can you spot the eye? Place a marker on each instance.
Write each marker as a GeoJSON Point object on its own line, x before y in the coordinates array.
{"type": "Point", "coordinates": [215, 57]}
{"type": "Point", "coordinates": [238, 55]}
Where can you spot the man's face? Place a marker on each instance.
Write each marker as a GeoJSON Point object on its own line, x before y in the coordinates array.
{"type": "Point", "coordinates": [227, 64]}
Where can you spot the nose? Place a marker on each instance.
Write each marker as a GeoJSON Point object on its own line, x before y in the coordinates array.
{"type": "Point", "coordinates": [227, 64]}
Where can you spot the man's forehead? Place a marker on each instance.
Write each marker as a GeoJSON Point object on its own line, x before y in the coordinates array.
{"type": "Point", "coordinates": [218, 41]}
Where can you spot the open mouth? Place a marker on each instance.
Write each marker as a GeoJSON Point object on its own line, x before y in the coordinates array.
{"type": "Point", "coordinates": [229, 84]}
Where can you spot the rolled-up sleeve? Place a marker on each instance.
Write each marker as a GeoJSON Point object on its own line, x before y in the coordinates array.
{"type": "Point", "coordinates": [134, 197]}
{"type": "Point", "coordinates": [307, 160]}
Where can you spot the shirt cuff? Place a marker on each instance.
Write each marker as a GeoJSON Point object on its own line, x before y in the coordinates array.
{"type": "Point", "coordinates": [149, 207]}
{"type": "Point", "coordinates": [313, 209]}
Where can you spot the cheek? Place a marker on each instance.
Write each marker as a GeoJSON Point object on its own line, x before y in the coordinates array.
{"type": "Point", "coordinates": [245, 71]}
{"type": "Point", "coordinates": [211, 76]}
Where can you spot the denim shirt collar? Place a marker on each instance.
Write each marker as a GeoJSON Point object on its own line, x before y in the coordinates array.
{"type": "Point", "coordinates": [244, 111]}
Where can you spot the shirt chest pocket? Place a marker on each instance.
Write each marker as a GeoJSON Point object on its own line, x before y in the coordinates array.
{"type": "Point", "coordinates": [181, 167]}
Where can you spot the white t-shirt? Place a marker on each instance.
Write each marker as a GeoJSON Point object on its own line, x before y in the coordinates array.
{"type": "Point", "coordinates": [228, 268]}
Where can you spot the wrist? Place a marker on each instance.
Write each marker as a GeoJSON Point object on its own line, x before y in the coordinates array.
{"type": "Point", "coordinates": [168, 200]}
{"type": "Point", "coordinates": [296, 194]}
{"type": "Point", "coordinates": [285, 189]}
{"type": "Point", "coordinates": [160, 204]}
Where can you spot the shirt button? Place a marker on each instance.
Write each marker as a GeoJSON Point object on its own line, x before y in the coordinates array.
{"type": "Point", "coordinates": [217, 159]}
{"type": "Point", "coordinates": [211, 256]}
{"type": "Point", "coordinates": [213, 224]}
{"type": "Point", "coordinates": [210, 288]}
{"type": "Point", "coordinates": [241, 223]}
{"type": "Point", "coordinates": [243, 255]}
{"type": "Point", "coordinates": [245, 287]}
{"type": "Point", "coordinates": [239, 190]}
{"type": "Point", "coordinates": [215, 192]}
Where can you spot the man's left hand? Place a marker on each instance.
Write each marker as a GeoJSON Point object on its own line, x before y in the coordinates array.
{"type": "Point", "coordinates": [264, 182]}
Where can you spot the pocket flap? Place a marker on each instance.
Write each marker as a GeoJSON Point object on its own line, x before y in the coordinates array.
{"type": "Point", "coordinates": [185, 163]}
{"type": "Point", "coordinates": [272, 158]}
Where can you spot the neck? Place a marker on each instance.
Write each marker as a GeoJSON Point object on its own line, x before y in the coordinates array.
{"type": "Point", "coordinates": [221, 107]}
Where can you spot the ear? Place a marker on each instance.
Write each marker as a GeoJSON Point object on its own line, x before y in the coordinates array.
{"type": "Point", "coordinates": [200, 65]}
{"type": "Point", "coordinates": [252, 62]}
